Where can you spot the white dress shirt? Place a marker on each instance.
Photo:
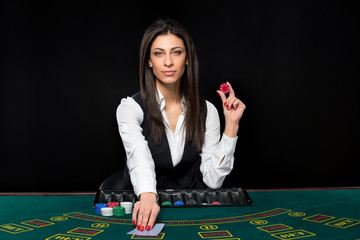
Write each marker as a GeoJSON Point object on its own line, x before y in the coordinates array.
{"type": "Point", "coordinates": [217, 157]}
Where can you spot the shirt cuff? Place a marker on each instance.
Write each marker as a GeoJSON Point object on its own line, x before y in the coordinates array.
{"type": "Point", "coordinates": [139, 190]}
{"type": "Point", "coordinates": [228, 145]}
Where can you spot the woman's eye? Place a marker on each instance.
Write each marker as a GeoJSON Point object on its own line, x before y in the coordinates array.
{"type": "Point", "coordinates": [177, 52]}
{"type": "Point", "coordinates": [157, 53]}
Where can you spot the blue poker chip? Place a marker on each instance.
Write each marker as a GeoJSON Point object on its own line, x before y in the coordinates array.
{"type": "Point", "coordinates": [99, 206]}
{"type": "Point", "coordinates": [179, 203]}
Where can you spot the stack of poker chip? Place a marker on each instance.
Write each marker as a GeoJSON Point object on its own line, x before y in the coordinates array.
{"type": "Point", "coordinates": [99, 206]}
{"type": "Point", "coordinates": [178, 203]}
{"type": "Point", "coordinates": [128, 207]}
{"type": "Point", "coordinates": [113, 204]}
{"type": "Point", "coordinates": [166, 203]}
{"type": "Point", "coordinates": [106, 211]}
{"type": "Point", "coordinates": [119, 211]}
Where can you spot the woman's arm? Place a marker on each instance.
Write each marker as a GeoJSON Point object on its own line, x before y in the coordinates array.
{"type": "Point", "coordinates": [139, 160]}
{"type": "Point", "coordinates": [218, 156]}
{"type": "Point", "coordinates": [140, 163]}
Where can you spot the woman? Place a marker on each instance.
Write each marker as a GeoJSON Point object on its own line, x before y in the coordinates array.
{"type": "Point", "coordinates": [171, 136]}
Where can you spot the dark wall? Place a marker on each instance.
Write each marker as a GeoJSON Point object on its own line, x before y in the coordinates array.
{"type": "Point", "coordinates": [65, 68]}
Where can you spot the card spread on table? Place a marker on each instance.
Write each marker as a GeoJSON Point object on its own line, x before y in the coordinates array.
{"type": "Point", "coordinates": [153, 232]}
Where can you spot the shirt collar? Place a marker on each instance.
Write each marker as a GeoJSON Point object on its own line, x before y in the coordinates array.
{"type": "Point", "coordinates": [161, 100]}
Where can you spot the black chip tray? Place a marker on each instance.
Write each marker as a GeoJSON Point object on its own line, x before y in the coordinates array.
{"type": "Point", "coordinates": [190, 197]}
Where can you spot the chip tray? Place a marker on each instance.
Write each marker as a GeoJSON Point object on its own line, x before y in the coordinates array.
{"type": "Point", "coordinates": [190, 197]}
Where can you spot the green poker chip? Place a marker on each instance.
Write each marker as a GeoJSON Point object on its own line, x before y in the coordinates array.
{"type": "Point", "coordinates": [119, 211]}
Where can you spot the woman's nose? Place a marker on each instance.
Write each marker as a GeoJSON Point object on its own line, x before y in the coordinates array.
{"type": "Point", "coordinates": [168, 61]}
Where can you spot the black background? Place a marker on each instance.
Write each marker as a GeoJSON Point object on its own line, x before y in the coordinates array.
{"type": "Point", "coordinates": [65, 68]}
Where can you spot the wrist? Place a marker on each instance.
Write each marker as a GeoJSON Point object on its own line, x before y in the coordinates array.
{"type": "Point", "coordinates": [148, 196]}
{"type": "Point", "coordinates": [231, 129]}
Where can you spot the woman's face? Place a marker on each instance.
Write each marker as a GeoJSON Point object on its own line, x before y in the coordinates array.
{"type": "Point", "coordinates": [167, 58]}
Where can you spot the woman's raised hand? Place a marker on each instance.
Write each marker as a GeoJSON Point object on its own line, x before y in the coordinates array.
{"type": "Point", "coordinates": [233, 111]}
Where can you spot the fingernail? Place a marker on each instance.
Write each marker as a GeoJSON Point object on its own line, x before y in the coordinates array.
{"type": "Point", "coordinates": [138, 227]}
{"type": "Point", "coordinates": [134, 222]}
{"type": "Point", "coordinates": [148, 228]}
{"type": "Point", "coordinates": [142, 228]}
{"type": "Point", "coordinates": [234, 108]}
{"type": "Point", "coordinates": [228, 107]}
{"type": "Point", "coordinates": [225, 103]}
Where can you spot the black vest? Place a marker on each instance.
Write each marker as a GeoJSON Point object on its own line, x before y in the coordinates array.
{"type": "Point", "coordinates": [186, 174]}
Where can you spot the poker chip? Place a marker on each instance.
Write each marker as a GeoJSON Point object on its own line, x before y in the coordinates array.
{"type": "Point", "coordinates": [98, 207]}
{"type": "Point", "coordinates": [113, 204]}
{"type": "Point", "coordinates": [191, 202]}
{"type": "Point", "coordinates": [166, 203]}
{"type": "Point", "coordinates": [224, 88]}
{"type": "Point", "coordinates": [216, 203]}
{"type": "Point", "coordinates": [119, 211]}
{"type": "Point", "coordinates": [128, 207]}
{"type": "Point", "coordinates": [106, 211]}
{"type": "Point", "coordinates": [179, 203]}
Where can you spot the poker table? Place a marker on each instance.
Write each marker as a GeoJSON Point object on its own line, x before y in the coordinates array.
{"type": "Point", "coordinates": [275, 214]}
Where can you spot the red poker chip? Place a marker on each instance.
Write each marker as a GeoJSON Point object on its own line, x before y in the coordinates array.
{"type": "Point", "coordinates": [224, 88]}
{"type": "Point", "coordinates": [113, 204]}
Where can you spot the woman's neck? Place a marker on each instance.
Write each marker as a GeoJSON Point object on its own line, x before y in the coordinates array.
{"type": "Point", "coordinates": [171, 92]}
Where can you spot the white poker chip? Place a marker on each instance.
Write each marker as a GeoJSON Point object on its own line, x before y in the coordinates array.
{"type": "Point", "coordinates": [107, 212]}
{"type": "Point", "coordinates": [128, 207]}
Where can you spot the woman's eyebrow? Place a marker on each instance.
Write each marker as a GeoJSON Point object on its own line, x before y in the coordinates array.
{"type": "Point", "coordinates": [161, 49]}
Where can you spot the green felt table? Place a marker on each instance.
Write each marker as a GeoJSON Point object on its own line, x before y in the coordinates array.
{"type": "Point", "coordinates": [290, 214]}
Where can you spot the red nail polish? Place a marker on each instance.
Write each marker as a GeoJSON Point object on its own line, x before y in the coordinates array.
{"type": "Point", "coordinates": [134, 222]}
{"type": "Point", "coordinates": [225, 103]}
{"type": "Point", "coordinates": [228, 107]}
{"type": "Point", "coordinates": [234, 108]}
{"type": "Point", "coordinates": [142, 228]}
{"type": "Point", "coordinates": [148, 228]}
{"type": "Point", "coordinates": [138, 227]}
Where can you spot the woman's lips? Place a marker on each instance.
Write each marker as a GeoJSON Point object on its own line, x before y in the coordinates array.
{"type": "Point", "coordinates": [168, 73]}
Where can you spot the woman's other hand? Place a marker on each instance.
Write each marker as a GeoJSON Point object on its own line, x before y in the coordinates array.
{"type": "Point", "coordinates": [145, 211]}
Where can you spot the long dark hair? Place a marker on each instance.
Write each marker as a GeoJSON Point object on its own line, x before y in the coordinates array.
{"type": "Point", "coordinates": [195, 129]}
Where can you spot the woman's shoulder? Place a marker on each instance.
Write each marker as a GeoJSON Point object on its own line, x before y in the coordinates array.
{"type": "Point", "coordinates": [210, 107]}
{"type": "Point", "coordinates": [129, 106]}
{"type": "Point", "coordinates": [126, 101]}
{"type": "Point", "coordinates": [212, 116]}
